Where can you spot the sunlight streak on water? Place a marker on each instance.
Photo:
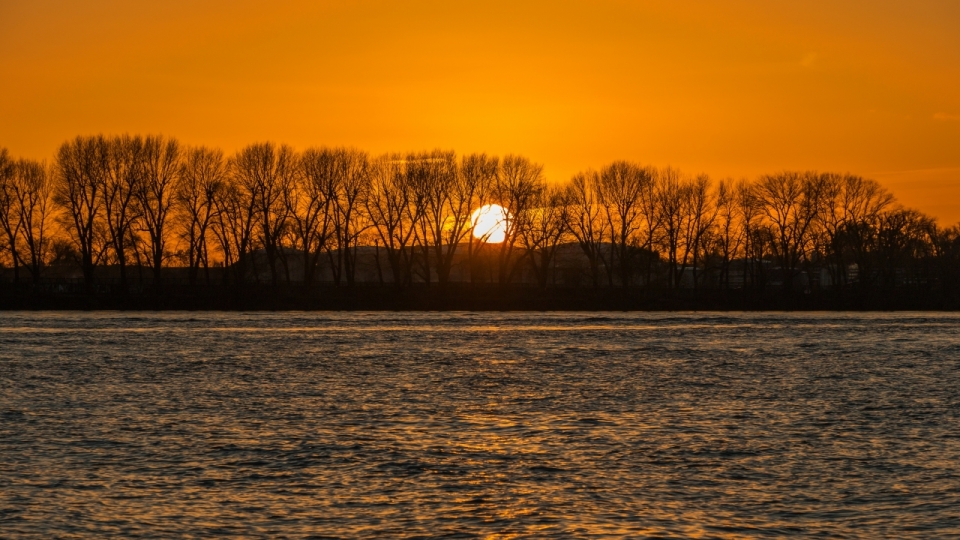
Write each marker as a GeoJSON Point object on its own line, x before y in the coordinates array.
{"type": "Point", "coordinates": [402, 425]}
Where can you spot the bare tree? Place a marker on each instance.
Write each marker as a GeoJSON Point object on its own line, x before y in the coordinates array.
{"type": "Point", "coordinates": [159, 166]}
{"type": "Point", "coordinates": [447, 211]}
{"type": "Point", "coordinates": [10, 219]}
{"type": "Point", "coordinates": [234, 221]}
{"type": "Point", "coordinates": [903, 242]}
{"type": "Point", "coordinates": [671, 200]}
{"type": "Point", "coordinates": [119, 186]}
{"type": "Point", "coordinates": [267, 172]}
{"type": "Point", "coordinates": [349, 220]}
{"type": "Point", "coordinates": [478, 172]}
{"type": "Point", "coordinates": [32, 196]}
{"type": "Point", "coordinates": [309, 203]}
{"type": "Point", "coordinates": [729, 236]}
{"type": "Point", "coordinates": [81, 172]}
{"type": "Point", "coordinates": [585, 220]}
{"type": "Point", "coordinates": [517, 186]}
{"type": "Point", "coordinates": [465, 191]}
{"type": "Point", "coordinates": [545, 231]}
{"type": "Point", "coordinates": [755, 234]}
{"type": "Point", "coordinates": [620, 194]}
{"type": "Point", "coordinates": [393, 212]}
{"type": "Point", "coordinates": [652, 227]}
{"type": "Point", "coordinates": [851, 210]}
{"type": "Point", "coordinates": [791, 203]}
{"type": "Point", "coordinates": [420, 177]}
{"type": "Point", "coordinates": [201, 177]}
{"type": "Point", "coordinates": [702, 212]}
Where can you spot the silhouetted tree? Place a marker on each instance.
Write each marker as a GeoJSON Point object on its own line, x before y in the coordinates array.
{"type": "Point", "coordinates": [903, 241]}
{"type": "Point", "coordinates": [671, 202]}
{"type": "Point", "coordinates": [10, 219]}
{"type": "Point", "coordinates": [516, 188]}
{"type": "Point", "coordinates": [393, 212]}
{"type": "Point", "coordinates": [349, 221]}
{"type": "Point", "coordinates": [119, 186]}
{"type": "Point", "coordinates": [702, 212]}
{"type": "Point", "coordinates": [586, 223]}
{"type": "Point", "coordinates": [465, 193]}
{"type": "Point", "coordinates": [159, 166]}
{"type": "Point", "coordinates": [478, 172]}
{"type": "Point", "coordinates": [545, 229]}
{"type": "Point", "coordinates": [267, 171]}
{"type": "Point", "coordinates": [29, 194]}
{"type": "Point", "coordinates": [235, 219]}
{"type": "Point", "coordinates": [82, 167]}
{"type": "Point", "coordinates": [791, 203]}
{"type": "Point", "coordinates": [423, 181]}
{"type": "Point", "coordinates": [441, 231]}
{"type": "Point", "coordinates": [755, 235]}
{"type": "Point", "coordinates": [201, 178]}
{"type": "Point", "coordinates": [729, 234]}
{"type": "Point", "coordinates": [620, 194]}
{"type": "Point", "coordinates": [849, 217]}
{"type": "Point", "coordinates": [309, 205]}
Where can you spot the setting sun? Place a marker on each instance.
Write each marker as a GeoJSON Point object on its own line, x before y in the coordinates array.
{"type": "Point", "coordinates": [490, 223]}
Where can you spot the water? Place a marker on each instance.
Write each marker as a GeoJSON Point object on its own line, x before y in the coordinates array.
{"type": "Point", "coordinates": [539, 425]}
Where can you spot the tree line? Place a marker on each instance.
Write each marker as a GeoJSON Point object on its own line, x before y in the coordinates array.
{"type": "Point", "coordinates": [150, 202]}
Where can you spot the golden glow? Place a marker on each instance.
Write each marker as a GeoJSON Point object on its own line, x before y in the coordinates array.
{"type": "Point", "coordinates": [489, 223]}
{"type": "Point", "coordinates": [736, 88]}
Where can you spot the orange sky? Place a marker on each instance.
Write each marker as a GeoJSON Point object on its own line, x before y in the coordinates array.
{"type": "Point", "coordinates": [732, 88]}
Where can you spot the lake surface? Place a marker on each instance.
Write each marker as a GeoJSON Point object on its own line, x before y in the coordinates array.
{"type": "Point", "coordinates": [463, 424]}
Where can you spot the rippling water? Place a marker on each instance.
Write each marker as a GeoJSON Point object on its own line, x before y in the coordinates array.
{"type": "Point", "coordinates": [403, 425]}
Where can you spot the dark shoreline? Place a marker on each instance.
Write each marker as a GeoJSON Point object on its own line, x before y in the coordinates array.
{"type": "Point", "coordinates": [461, 297]}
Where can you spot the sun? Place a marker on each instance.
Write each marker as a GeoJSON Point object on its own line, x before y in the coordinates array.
{"type": "Point", "coordinates": [490, 223]}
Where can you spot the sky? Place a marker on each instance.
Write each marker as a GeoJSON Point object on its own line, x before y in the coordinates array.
{"type": "Point", "coordinates": [732, 89]}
